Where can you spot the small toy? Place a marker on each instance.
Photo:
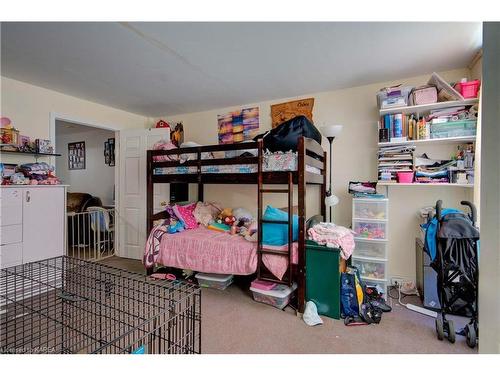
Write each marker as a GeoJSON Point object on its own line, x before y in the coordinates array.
{"type": "Point", "coordinates": [226, 213]}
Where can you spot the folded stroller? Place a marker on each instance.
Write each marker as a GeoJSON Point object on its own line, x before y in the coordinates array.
{"type": "Point", "coordinates": [453, 245]}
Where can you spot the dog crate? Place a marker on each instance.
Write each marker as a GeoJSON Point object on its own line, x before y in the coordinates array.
{"type": "Point", "coordinates": [69, 305]}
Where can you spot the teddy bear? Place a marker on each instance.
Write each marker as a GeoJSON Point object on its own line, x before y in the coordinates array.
{"type": "Point", "coordinates": [226, 217]}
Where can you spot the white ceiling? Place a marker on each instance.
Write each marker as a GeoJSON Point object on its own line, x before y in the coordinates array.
{"type": "Point", "coordinates": [171, 68]}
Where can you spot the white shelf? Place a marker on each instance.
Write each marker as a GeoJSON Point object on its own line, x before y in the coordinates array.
{"type": "Point", "coordinates": [438, 141]}
{"type": "Point", "coordinates": [428, 107]}
{"type": "Point", "coordinates": [384, 183]}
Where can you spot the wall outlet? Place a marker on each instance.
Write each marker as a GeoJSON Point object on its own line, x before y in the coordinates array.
{"type": "Point", "coordinates": [397, 280]}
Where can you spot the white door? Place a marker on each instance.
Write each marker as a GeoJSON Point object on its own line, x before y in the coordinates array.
{"type": "Point", "coordinates": [44, 215]}
{"type": "Point", "coordinates": [131, 209]}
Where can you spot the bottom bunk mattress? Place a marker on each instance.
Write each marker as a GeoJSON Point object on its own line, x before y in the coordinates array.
{"type": "Point", "coordinates": [209, 251]}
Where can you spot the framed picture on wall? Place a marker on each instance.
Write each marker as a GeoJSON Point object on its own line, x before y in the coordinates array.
{"type": "Point", "coordinates": [76, 155]}
{"type": "Point", "coordinates": [109, 152]}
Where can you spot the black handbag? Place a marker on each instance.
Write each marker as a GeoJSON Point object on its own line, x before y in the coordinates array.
{"type": "Point", "coordinates": [285, 137]}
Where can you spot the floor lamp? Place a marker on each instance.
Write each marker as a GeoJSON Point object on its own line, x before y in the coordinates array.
{"type": "Point", "coordinates": [330, 132]}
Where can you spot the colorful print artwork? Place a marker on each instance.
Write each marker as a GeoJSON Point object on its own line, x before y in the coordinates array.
{"type": "Point", "coordinates": [238, 126]}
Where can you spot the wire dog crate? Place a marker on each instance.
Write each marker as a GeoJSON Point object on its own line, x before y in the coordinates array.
{"type": "Point", "coordinates": [68, 305]}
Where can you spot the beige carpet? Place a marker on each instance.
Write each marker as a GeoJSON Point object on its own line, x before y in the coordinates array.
{"type": "Point", "coordinates": [233, 323]}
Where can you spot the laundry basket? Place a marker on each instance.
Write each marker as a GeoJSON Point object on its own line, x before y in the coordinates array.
{"type": "Point", "coordinates": [67, 305]}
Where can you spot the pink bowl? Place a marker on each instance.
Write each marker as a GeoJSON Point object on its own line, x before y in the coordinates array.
{"type": "Point", "coordinates": [405, 177]}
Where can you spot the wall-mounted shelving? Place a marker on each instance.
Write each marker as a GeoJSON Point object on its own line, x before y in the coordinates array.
{"type": "Point", "coordinates": [428, 107]}
{"type": "Point", "coordinates": [438, 141]}
{"type": "Point", "coordinates": [35, 154]}
{"type": "Point", "coordinates": [420, 184]}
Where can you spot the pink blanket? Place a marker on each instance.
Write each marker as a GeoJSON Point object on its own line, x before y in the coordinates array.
{"type": "Point", "coordinates": [205, 250]}
{"type": "Point", "coordinates": [333, 236]}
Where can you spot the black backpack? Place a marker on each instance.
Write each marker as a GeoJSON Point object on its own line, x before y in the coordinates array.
{"type": "Point", "coordinates": [285, 137]}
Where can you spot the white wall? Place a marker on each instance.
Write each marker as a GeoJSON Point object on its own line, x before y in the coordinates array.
{"type": "Point", "coordinates": [354, 160]}
{"type": "Point", "coordinates": [29, 107]}
{"type": "Point", "coordinates": [489, 275]}
{"type": "Point", "coordinates": [97, 178]}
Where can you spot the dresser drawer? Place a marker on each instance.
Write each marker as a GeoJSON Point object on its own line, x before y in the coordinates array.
{"type": "Point", "coordinates": [11, 234]}
{"type": "Point", "coordinates": [11, 255]}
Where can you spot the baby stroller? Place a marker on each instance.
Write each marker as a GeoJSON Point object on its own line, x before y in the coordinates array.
{"type": "Point", "coordinates": [456, 262]}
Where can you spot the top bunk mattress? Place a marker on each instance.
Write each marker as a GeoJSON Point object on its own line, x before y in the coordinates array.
{"type": "Point", "coordinates": [272, 162]}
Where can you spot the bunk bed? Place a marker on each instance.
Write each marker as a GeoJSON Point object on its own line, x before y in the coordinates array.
{"type": "Point", "coordinates": [203, 165]}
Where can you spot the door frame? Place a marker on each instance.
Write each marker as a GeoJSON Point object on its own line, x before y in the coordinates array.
{"type": "Point", "coordinates": [53, 117]}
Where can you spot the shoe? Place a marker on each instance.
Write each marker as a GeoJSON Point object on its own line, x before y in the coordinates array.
{"type": "Point", "coordinates": [381, 305]}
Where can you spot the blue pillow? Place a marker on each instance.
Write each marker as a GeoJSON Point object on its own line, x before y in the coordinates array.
{"type": "Point", "coordinates": [277, 234]}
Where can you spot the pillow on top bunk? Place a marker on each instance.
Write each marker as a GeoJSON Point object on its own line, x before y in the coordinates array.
{"type": "Point", "coordinates": [185, 215]}
{"type": "Point", "coordinates": [277, 234]}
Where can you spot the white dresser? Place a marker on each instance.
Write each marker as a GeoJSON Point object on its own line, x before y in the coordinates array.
{"type": "Point", "coordinates": [32, 223]}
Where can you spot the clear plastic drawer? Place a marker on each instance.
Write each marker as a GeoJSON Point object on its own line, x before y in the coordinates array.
{"type": "Point", "coordinates": [375, 209]}
{"type": "Point", "coordinates": [371, 249]}
{"type": "Point", "coordinates": [369, 229]}
{"type": "Point", "coordinates": [370, 269]}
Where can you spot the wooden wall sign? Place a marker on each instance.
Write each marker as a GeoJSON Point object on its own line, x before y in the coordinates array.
{"type": "Point", "coordinates": [285, 111]}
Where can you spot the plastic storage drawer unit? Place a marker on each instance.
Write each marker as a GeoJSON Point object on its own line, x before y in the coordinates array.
{"type": "Point", "coordinates": [370, 268]}
{"type": "Point", "coordinates": [369, 229]}
{"type": "Point", "coordinates": [370, 208]}
{"type": "Point", "coordinates": [278, 297]}
{"type": "Point", "coordinates": [323, 278]}
{"type": "Point", "coordinates": [215, 281]}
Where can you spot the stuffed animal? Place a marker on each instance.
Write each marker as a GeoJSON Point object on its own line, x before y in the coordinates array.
{"type": "Point", "coordinates": [226, 213]}
{"type": "Point", "coordinates": [175, 227]}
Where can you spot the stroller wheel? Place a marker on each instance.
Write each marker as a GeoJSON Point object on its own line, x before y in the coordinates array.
{"type": "Point", "coordinates": [451, 331]}
{"type": "Point", "coordinates": [470, 335]}
{"type": "Point", "coordinates": [439, 328]}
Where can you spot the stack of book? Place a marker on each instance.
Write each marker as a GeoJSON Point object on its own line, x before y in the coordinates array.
{"type": "Point", "coordinates": [394, 159]}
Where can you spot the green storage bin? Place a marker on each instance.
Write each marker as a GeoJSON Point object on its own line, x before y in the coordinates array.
{"type": "Point", "coordinates": [323, 278]}
{"type": "Point", "coordinates": [450, 129]}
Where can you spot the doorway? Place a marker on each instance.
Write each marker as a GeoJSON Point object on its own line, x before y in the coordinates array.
{"type": "Point", "coordinates": [87, 166]}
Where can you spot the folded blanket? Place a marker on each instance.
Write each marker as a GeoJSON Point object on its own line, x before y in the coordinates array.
{"type": "Point", "coordinates": [333, 235]}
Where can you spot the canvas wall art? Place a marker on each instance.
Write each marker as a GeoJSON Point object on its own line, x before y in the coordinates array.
{"type": "Point", "coordinates": [238, 126]}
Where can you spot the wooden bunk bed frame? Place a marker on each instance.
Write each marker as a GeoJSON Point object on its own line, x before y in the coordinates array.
{"type": "Point", "coordinates": [310, 153]}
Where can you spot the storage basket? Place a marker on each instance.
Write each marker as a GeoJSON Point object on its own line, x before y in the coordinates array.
{"type": "Point", "coordinates": [393, 96]}
{"type": "Point", "coordinates": [405, 177]}
{"type": "Point", "coordinates": [278, 297]}
{"type": "Point", "coordinates": [469, 89]}
{"type": "Point", "coordinates": [465, 128]}
{"type": "Point", "coordinates": [214, 281]}
{"type": "Point", "coordinates": [424, 95]}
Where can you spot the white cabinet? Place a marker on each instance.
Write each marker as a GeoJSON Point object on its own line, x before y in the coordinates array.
{"type": "Point", "coordinates": [32, 223]}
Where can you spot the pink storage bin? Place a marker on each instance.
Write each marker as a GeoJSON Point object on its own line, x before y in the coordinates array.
{"type": "Point", "coordinates": [469, 89]}
{"type": "Point", "coordinates": [405, 177]}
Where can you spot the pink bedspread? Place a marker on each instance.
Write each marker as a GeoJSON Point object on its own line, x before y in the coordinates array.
{"type": "Point", "coordinates": [206, 250]}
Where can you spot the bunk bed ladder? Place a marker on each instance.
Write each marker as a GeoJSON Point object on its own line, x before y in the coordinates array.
{"type": "Point", "coordinates": [261, 275]}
